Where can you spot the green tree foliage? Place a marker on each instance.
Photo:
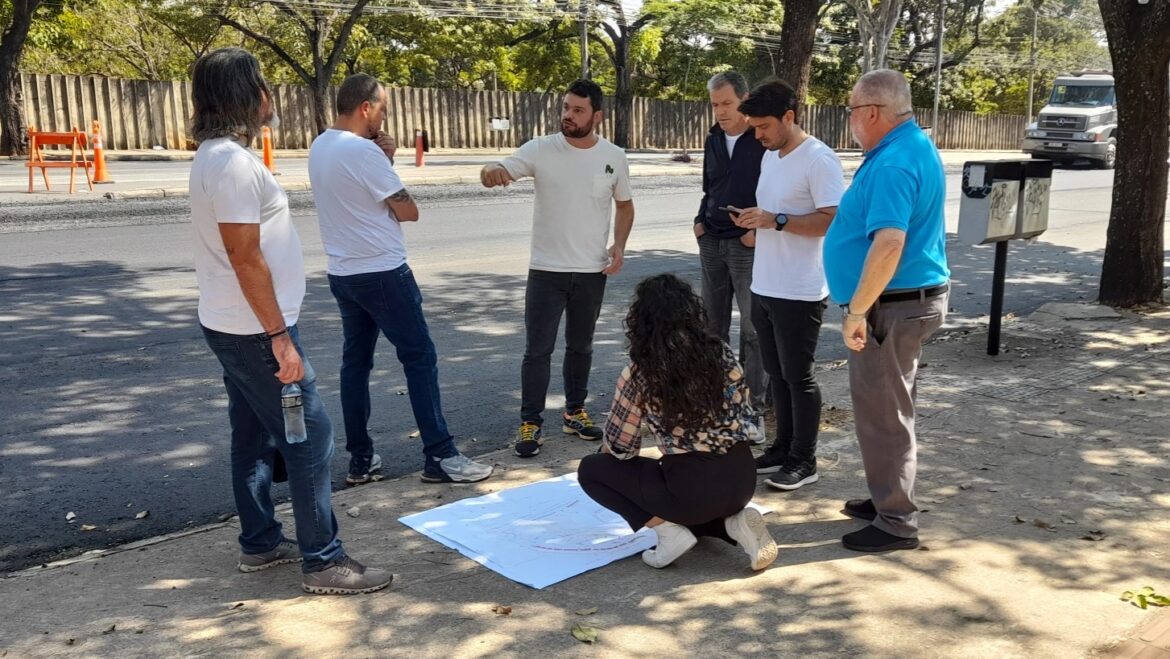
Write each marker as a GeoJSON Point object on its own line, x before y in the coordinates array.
{"type": "Point", "coordinates": [121, 38]}
{"type": "Point", "coordinates": [534, 44]}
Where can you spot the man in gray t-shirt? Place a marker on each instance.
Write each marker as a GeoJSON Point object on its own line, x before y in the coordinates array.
{"type": "Point", "coordinates": [577, 173]}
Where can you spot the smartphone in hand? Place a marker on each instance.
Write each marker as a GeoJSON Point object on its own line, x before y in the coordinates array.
{"type": "Point", "coordinates": [731, 209]}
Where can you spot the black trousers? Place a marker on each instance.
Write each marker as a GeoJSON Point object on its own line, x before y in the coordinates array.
{"type": "Point", "coordinates": [788, 331]}
{"type": "Point", "coordinates": [577, 296]}
{"type": "Point", "coordinates": [696, 490]}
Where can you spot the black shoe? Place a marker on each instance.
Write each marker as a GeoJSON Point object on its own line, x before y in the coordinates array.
{"type": "Point", "coordinates": [771, 461]}
{"type": "Point", "coordinates": [794, 475]}
{"type": "Point", "coordinates": [873, 540]}
{"type": "Point", "coordinates": [360, 474]}
{"type": "Point", "coordinates": [528, 440]}
{"type": "Point", "coordinates": [578, 423]}
{"type": "Point", "coordinates": [860, 509]}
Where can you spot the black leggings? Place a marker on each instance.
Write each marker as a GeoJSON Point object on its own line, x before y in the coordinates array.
{"type": "Point", "coordinates": [696, 490]}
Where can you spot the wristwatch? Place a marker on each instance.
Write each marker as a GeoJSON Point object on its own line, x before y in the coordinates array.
{"type": "Point", "coordinates": [781, 221]}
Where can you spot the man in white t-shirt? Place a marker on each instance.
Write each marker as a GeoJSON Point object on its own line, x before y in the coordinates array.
{"type": "Point", "coordinates": [800, 185]}
{"type": "Point", "coordinates": [251, 284]}
{"type": "Point", "coordinates": [360, 205]}
{"type": "Point", "coordinates": [579, 178]}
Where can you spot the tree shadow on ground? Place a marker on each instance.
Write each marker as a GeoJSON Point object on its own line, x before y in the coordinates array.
{"type": "Point", "coordinates": [115, 405]}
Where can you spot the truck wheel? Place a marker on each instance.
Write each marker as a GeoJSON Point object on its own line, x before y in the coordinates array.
{"type": "Point", "coordinates": [1110, 159]}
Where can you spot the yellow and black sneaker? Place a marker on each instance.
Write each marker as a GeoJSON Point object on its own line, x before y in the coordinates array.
{"type": "Point", "coordinates": [528, 440]}
{"type": "Point", "coordinates": [578, 423]}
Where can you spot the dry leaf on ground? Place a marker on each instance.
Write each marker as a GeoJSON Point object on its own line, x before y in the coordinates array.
{"type": "Point", "coordinates": [584, 634]}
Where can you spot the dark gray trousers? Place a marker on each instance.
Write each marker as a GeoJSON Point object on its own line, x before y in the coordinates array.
{"type": "Point", "coordinates": [577, 296]}
{"type": "Point", "coordinates": [727, 278]}
{"type": "Point", "coordinates": [882, 385]}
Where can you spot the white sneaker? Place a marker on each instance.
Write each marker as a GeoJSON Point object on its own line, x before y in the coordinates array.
{"type": "Point", "coordinates": [747, 527]}
{"type": "Point", "coordinates": [755, 431]}
{"type": "Point", "coordinates": [456, 469]}
{"type": "Point", "coordinates": [673, 541]}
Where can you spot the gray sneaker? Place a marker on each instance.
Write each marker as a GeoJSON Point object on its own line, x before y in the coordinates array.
{"type": "Point", "coordinates": [285, 552]}
{"type": "Point", "coordinates": [346, 577]}
{"type": "Point", "coordinates": [755, 431]}
{"type": "Point", "coordinates": [455, 469]}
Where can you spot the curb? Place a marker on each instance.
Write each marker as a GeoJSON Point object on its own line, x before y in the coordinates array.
{"type": "Point", "coordinates": [304, 186]}
{"type": "Point", "coordinates": [94, 554]}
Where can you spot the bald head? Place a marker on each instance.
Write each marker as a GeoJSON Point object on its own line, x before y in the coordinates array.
{"type": "Point", "coordinates": [886, 88]}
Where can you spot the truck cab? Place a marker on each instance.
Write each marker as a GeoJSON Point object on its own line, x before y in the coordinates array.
{"type": "Point", "coordinates": [1079, 121]}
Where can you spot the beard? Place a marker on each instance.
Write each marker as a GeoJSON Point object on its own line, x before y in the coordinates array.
{"type": "Point", "coordinates": [574, 131]}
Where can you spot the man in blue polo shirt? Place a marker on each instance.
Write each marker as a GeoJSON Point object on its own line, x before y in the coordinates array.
{"type": "Point", "coordinates": [886, 264]}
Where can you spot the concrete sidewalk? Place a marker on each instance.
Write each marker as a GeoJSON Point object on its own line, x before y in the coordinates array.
{"type": "Point", "coordinates": [447, 168]}
{"type": "Point", "coordinates": [1042, 484]}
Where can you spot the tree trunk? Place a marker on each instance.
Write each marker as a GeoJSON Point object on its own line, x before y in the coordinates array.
{"type": "Point", "coordinates": [320, 93]}
{"type": "Point", "coordinates": [798, 34]}
{"type": "Point", "coordinates": [623, 97]}
{"type": "Point", "coordinates": [875, 28]}
{"type": "Point", "coordinates": [1132, 271]}
{"type": "Point", "coordinates": [12, 133]}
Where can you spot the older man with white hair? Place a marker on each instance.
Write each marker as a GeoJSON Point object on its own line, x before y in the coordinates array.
{"type": "Point", "coordinates": [885, 262]}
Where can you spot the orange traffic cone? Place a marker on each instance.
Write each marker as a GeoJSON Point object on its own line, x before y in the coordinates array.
{"type": "Point", "coordinates": [100, 175]}
{"type": "Point", "coordinates": [266, 143]}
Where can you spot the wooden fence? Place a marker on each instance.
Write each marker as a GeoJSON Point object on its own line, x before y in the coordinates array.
{"type": "Point", "coordinates": [139, 114]}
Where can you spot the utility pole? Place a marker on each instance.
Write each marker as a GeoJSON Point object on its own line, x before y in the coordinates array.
{"type": "Point", "coordinates": [938, 58]}
{"type": "Point", "coordinates": [1032, 70]}
{"type": "Point", "coordinates": [584, 38]}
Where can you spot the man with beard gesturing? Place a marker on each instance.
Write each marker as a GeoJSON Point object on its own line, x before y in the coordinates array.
{"type": "Point", "coordinates": [576, 174]}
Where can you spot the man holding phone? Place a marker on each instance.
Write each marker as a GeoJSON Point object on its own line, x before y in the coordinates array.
{"type": "Point", "coordinates": [731, 168]}
{"type": "Point", "coordinates": [801, 183]}
{"type": "Point", "coordinates": [361, 204]}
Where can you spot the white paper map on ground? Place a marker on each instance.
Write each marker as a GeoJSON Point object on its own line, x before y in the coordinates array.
{"type": "Point", "coordinates": [536, 534]}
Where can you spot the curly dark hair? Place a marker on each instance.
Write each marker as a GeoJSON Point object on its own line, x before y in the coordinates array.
{"type": "Point", "coordinates": [677, 363]}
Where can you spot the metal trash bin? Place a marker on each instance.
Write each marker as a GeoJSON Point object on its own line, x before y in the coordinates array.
{"type": "Point", "coordinates": [991, 194]}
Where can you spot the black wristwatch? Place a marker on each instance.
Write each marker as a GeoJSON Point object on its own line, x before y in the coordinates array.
{"type": "Point", "coordinates": [781, 221]}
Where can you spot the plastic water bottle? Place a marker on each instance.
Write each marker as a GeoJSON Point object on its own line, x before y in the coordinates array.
{"type": "Point", "coordinates": [294, 413]}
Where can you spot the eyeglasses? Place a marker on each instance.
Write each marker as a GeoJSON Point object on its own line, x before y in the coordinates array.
{"type": "Point", "coordinates": [850, 108]}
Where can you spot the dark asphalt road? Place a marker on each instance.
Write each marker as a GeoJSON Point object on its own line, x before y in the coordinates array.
{"type": "Point", "coordinates": [113, 404]}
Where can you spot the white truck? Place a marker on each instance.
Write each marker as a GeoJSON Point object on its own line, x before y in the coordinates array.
{"type": "Point", "coordinates": [1080, 121]}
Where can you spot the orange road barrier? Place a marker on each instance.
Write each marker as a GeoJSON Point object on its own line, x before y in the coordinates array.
{"type": "Point", "coordinates": [419, 147]}
{"type": "Point", "coordinates": [36, 157]}
{"type": "Point", "coordinates": [266, 143]}
{"type": "Point", "coordinates": [100, 175]}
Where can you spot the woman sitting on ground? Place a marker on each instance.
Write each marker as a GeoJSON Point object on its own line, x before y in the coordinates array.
{"type": "Point", "coordinates": [687, 386]}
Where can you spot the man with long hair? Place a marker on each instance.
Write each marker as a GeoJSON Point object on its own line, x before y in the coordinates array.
{"type": "Point", "coordinates": [800, 185]}
{"type": "Point", "coordinates": [579, 178]}
{"type": "Point", "coordinates": [685, 384]}
{"type": "Point", "coordinates": [360, 205]}
{"type": "Point", "coordinates": [251, 278]}
{"type": "Point", "coordinates": [886, 260]}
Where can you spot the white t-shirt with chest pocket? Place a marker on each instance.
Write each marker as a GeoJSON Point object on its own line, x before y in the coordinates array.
{"type": "Point", "coordinates": [575, 191]}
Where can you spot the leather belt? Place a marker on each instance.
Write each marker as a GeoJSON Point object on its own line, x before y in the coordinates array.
{"type": "Point", "coordinates": [920, 294]}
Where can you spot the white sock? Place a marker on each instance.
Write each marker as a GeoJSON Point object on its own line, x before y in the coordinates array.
{"type": "Point", "coordinates": [674, 540]}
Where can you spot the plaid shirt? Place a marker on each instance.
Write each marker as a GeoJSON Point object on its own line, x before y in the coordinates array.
{"type": "Point", "coordinates": [623, 436]}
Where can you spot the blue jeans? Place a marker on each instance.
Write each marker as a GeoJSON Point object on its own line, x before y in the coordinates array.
{"type": "Point", "coordinates": [390, 303]}
{"type": "Point", "coordinates": [257, 421]}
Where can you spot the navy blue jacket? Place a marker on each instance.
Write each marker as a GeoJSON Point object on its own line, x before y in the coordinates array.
{"type": "Point", "coordinates": [728, 181]}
